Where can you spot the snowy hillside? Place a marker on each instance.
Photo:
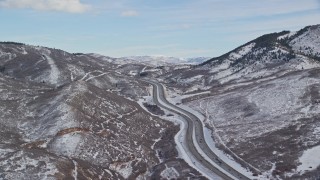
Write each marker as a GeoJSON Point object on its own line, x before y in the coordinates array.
{"type": "Point", "coordinates": [268, 123]}
{"type": "Point", "coordinates": [307, 42]}
{"type": "Point", "coordinates": [261, 102]}
{"type": "Point", "coordinates": [267, 55]}
{"type": "Point", "coordinates": [69, 116]}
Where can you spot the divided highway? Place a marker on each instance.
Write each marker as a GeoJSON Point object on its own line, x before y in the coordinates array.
{"type": "Point", "coordinates": [194, 127]}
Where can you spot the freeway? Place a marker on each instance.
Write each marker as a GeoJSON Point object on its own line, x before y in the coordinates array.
{"type": "Point", "coordinates": [194, 137]}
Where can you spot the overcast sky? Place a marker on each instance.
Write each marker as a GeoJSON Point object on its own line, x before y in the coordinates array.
{"type": "Point", "coordinates": [182, 28]}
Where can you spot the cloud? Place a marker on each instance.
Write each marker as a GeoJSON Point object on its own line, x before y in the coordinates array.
{"type": "Point", "coordinates": [70, 6]}
{"type": "Point", "coordinates": [220, 11]}
{"type": "Point", "coordinates": [129, 13]}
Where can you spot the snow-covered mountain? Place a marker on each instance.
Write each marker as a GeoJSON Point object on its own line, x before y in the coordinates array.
{"type": "Point", "coordinates": [76, 116]}
{"type": "Point", "coordinates": [261, 101]}
{"type": "Point", "coordinates": [267, 55]}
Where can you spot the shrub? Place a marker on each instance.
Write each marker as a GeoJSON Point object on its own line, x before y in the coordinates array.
{"type": "Point", "coordinates": [13, 43]}
{"type": "Point", "coordinates": [2, 69]}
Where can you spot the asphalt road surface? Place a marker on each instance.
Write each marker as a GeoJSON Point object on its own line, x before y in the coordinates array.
{"type": "Point", "coordinates": [194, 125]}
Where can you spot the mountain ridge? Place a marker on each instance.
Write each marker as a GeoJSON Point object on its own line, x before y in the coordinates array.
{"type": "Point", "coordinates": [267, 40]}
{"type": "Point", "coordinates": [258, 58]}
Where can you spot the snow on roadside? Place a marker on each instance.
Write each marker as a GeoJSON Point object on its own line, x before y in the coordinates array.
{"type": "Point", "coordinates": [208, 158]}
{"type": "Point", "coordinates": [223, 156]}
{"type": "Point", "coordinates": [179, 139]}
{"type": "Point", "coordinates": [187, 156]}
{"type": "Point", "coordinates": [212, 145]}
{"type": "Point", "coordinates": [208, 137]}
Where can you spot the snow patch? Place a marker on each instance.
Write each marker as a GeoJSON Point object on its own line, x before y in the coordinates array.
{"type": "Point", "coordinates": [287, 35]}
{"type": "Point", "coordinates": [223, 66]}
{"type": "Point", "coordinates": [309, 160]}
{"type": "Point", "coordinates": [75, 171]}
{"type": "Point", "coordinates": [169, 173]}
{"type": "Point", "coordinates": [124, 169]}
{"type": "Point", "coordinates": [243, 51]}
{"type": "Point", "coordinates": [67, 144]}
{"type": "Point", "coordinates": [54, 73]}
{"type": "Point", "coordinates": [24, 52]}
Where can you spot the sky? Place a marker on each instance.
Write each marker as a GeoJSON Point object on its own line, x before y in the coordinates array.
{"type": "Point", "coordinates": [180, 28]}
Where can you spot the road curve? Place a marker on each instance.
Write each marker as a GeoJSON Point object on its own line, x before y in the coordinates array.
{"type": "Point", "coordinates": [194, 126]}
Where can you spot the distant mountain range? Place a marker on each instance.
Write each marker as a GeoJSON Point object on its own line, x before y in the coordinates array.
{"type": "Point", "coordinates": [154, 60]}
{"type": "Point", "coordinates": [164, 60]}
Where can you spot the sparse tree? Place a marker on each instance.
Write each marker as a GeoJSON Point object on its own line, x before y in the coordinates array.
{"type": "Point", "coordinates": [2, 69]}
